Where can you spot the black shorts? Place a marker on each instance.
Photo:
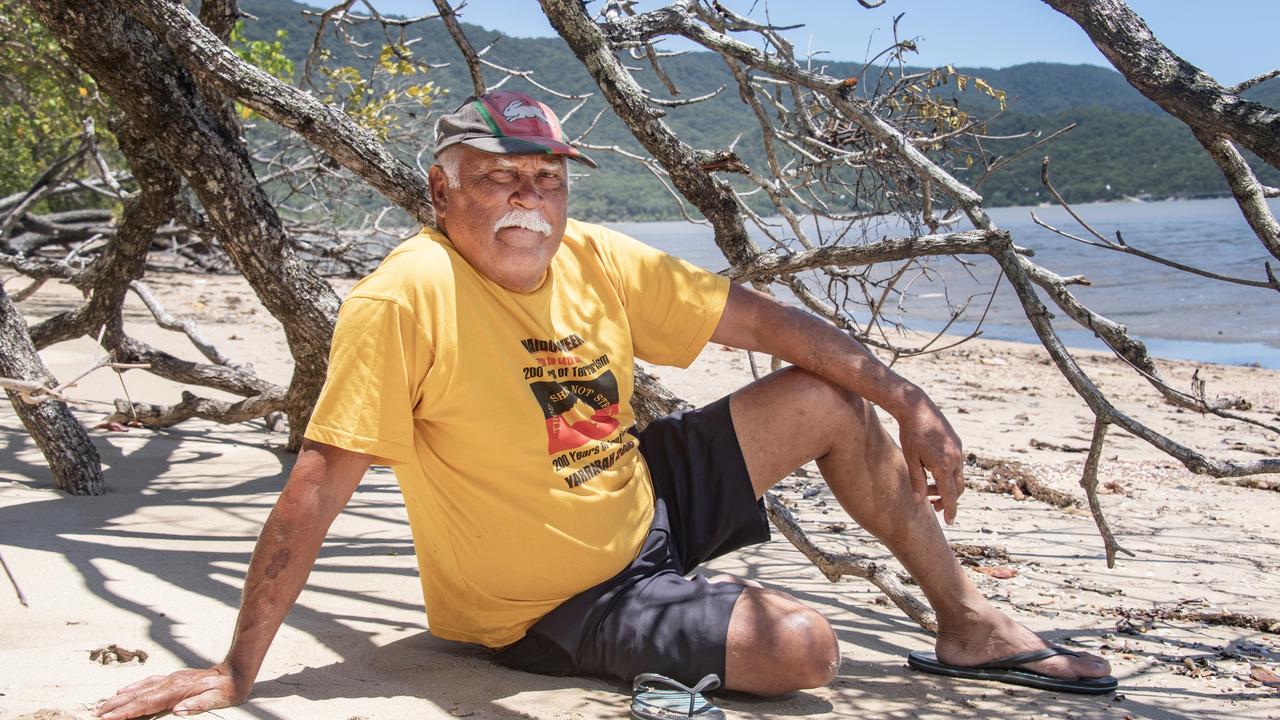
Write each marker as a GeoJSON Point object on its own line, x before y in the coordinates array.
{"type": "Point", "coordinates": [650, 617]}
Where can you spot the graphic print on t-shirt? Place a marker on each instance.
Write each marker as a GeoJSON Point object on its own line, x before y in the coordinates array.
{"type": "Point", "coordinates": [580, 403]}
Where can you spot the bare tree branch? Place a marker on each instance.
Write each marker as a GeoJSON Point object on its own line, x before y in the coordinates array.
{"type": "Point", "coordinates": [450, 19]}
{"type": "Point", "coordinates": [1178, 87]}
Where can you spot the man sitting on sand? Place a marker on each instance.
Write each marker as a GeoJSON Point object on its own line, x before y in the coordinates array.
{"type": "Point", "coordinates": [490, 363]}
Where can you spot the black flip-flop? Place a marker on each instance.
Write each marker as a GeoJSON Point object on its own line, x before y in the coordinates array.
{"type": "Point", "coordinates": [1010, 670]}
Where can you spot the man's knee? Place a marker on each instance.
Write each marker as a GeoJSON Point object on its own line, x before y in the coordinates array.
{"type": "Point", "coordinates": [815, 652]}
{"type": "Point", "coordinates": [778, 645]}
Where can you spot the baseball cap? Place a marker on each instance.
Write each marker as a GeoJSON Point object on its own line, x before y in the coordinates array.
{"type": "Point", "coordinates": [506, 122]}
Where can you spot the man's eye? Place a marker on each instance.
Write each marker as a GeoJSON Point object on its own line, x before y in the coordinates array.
{"type": "Point", "coordinates": [502, 176]}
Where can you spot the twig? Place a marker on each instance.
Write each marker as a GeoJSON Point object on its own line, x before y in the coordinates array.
{"type": "Point", "coordinates": [91, 144]}
{"type": "Point", "coordinates": [1251, 82]}
{"type": "Point", "coordinates": [14, 581]}
{"type": "Point", "coordinates": [1128, 249]}
{"type": "Point", "coordinates": [29, 290]}
{"type": "Point", "coordinates": [1089, 481]}
{"type": "Point", "coordinates": [450, 18]}
{"type": "Point", "coordinates": [836, 565]}
{"type": "Point", "coordinates": [186, 327]}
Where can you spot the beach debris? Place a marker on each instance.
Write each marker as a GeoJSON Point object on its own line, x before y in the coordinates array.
{"type": "Point", "coordinates": [1140, 626]}
{"type": "Point", "coordinates": [113, 654]}
{"type": "Point", "coordinates": [1075, 583]}
{"type": "Point", "coordinates": [1199, 667]}
{"type": "Point", "coordinates": [1254, 483]}
{"type": "Point", "coordinates": [1180, 613]}
{"type": "Point", "coordinates": [1042, 445]}
{"type": "Point", "coordinates": [972, 554]}
{"type": "Point", "coordinates": [1010, 477]}
{"type": "Point", "coordinates": [835, 527]}
{"type": "Point", "coordinates": [999, 573]}
{"type": "Point", "coordinates": [1264, 676]}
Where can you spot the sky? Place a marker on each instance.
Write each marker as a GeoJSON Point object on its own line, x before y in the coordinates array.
{"type": "Point", "coordinates": [1232, 40]}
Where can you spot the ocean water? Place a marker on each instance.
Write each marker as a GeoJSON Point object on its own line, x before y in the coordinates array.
{"type": "Point", "coordinates": [1176, 314]}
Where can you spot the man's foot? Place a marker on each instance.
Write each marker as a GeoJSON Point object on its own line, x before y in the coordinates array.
{"type": "Point", "coordinates": [992, 635]}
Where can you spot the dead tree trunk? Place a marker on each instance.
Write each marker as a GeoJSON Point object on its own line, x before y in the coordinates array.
{"type": "Point", "coordinates": [73, 459]}
{"type": "Point", "coordinates": [164, 102]}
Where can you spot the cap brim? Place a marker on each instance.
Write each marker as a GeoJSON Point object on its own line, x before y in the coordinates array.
{"type": "Point", "coordinates": [512, 145]}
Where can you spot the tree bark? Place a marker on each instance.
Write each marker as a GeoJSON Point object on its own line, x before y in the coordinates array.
{"type": "Point", "coordinates": [73, 460]}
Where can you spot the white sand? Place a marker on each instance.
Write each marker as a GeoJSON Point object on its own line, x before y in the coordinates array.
{"type": "Point", "coordinates": [157, 563]}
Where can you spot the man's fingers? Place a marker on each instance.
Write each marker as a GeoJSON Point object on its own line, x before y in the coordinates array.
{"type": "Point", "coordinates": [208, 700]}
{"type": "Point", "coordinates": [950, 492]}
{"type": "Point", "coordinates": [106, 706]}
{"type": "Point", "coordinates": [194, 691]}
{"type": "Point", "coordinates": [149, 680]}
{"type": "Point", "coordinates": [918, 484]}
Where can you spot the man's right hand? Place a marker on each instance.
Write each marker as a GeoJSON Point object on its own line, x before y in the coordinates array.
{"type": "Point", "coordinates": [186, 692]}
{"type": "Point", "coordinates": [319, 487]}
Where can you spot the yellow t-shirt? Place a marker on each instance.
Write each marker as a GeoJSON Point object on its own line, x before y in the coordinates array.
{"type": "Point", "coordinates": [507, 416]}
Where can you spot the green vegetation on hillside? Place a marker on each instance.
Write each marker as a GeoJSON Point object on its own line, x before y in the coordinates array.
{"type": "Point", "coordinates": [1123, 145]}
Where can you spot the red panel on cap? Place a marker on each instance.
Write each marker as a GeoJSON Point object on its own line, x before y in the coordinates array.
{"type": "Point", "coordinates": [519, 115]}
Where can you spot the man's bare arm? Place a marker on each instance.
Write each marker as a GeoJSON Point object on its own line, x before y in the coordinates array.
{"type": "Point", "coordinates": [755, 321]}
{"type": "Point", "coordinates": [319, 486]}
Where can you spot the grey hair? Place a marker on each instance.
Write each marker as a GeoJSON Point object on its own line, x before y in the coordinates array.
{"type": "Point", "coordinates": [450, 163]}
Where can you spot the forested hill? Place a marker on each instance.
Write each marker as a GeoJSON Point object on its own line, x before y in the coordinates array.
{"type": "Point", "coordinates": [1124, 146]}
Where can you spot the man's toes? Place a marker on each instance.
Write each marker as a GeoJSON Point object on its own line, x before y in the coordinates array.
{"type": "Point", "coordinates": [1091, 665]}
{"type": "Point", "coordinates": [1085, 665]}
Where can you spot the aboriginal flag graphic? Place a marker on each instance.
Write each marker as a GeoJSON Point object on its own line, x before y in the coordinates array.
{"type": "Point", "coordinates": [578, 411]}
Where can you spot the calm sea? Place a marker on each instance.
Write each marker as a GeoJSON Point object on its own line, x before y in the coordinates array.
{"type": "Point", "coordinates": [1178, 315]}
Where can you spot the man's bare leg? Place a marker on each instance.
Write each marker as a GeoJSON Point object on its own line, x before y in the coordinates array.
{"type": "Point", "coordinates": [776, 644]}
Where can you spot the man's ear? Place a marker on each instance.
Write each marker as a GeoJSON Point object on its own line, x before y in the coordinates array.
{"type": "Point", "coordinates": [439, 190]}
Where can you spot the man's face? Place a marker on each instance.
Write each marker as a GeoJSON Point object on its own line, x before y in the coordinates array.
{"type": "Point", "coordinates": [507, 216]}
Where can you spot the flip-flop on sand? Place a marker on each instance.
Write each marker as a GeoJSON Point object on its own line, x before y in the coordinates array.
{"type": "Point", "coordinates": [1010, 670]}
{"type": "Point", "coordinates": [658, 697]}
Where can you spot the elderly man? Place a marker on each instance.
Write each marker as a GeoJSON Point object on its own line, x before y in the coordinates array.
{"type": "Point", "coordinates": [489, 361]}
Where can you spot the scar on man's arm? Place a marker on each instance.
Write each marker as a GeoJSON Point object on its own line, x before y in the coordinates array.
{"type": "Point", "coordinates": [279, 561]}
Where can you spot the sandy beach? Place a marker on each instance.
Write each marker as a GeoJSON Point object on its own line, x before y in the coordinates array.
{"type": "Point", "coordinates": [156, 565]}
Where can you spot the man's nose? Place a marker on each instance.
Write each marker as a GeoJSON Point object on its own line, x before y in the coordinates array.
{"type": "Point", "coordinates": [526, 193]}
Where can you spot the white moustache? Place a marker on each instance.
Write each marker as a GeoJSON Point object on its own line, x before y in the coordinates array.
{"type": "Point", "coordinates": [526, 219]}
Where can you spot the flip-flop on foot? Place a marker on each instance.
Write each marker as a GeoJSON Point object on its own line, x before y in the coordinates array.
{"type": "Point", "coordinates": [1010, 670]}
{"type": "Point", "coordinates": [658, 697]}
